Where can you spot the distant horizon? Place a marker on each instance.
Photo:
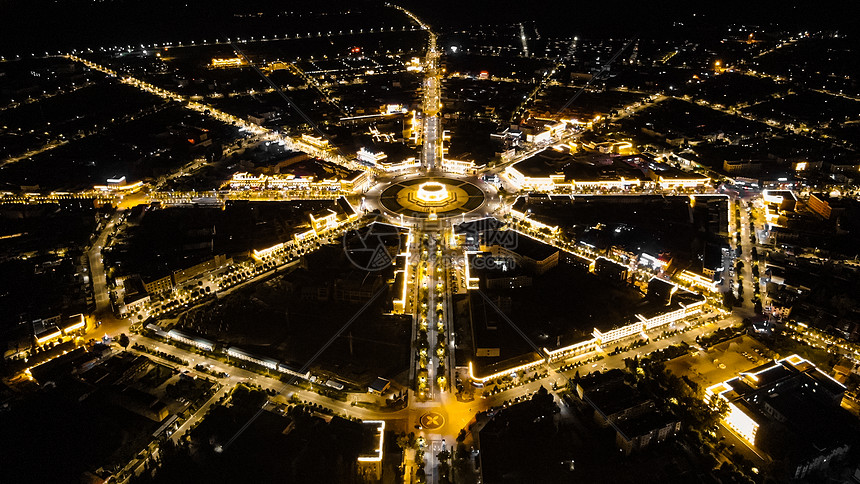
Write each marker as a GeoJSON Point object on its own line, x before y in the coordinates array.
{"type": "Point", "coordinates": [34, 27]}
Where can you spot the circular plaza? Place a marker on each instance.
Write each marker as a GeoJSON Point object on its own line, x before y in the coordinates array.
{"type": "Point", "coordinates": [431, 197]}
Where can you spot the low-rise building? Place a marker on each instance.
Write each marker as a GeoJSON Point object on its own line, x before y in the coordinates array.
{"type": "Point", "coordinates": [633, 416]}
{"type": "Point", "coordinates": [404, 166]}
{"type": "Point", "coordinates": [742, 167]}
{"type": "Point", "coordinates": [379, 385]}
{"type": "Point", "coordinates": [240, 354]}
{"type": "Point", "coordinates": [191, 339]}
{"type": "Point", "coordinates": [216, 262]}
{"type": "Point", "coordinates": [48, 335]}
{"type": "Point", "coordinates": [642, 431]}
{"type": "Point", "coordinates": [459, 167]}
{"type": "Point", "coordinates": [76, 361]}
{"type": "Point", "coordinates": [160, 285]}
{"type": "Point", "coordinates": [372, 448]}
{"type": "Point", "coordinates": [670, 178]}
{"type": "Point", "coordinates": [355, 288]}
{"type": "Point", "coordinates": [700, 281]}
{"type": "Point", "coordinates": [141, 403]}
{"type": "Point", "coordinates": [135, 296]}
{"type": "Point", "coordinates": [371, 158]}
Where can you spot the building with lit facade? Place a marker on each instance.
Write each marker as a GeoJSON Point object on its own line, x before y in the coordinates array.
{"type": "Point", "coordinates": [459, 167]}
{"type": "Point", "coordinates": [610, 146]}
{"type": "Point", "coordinates": [119, 185]}
{"type": "Point", "coordinates": [317, 142]}
{"type": "Point", "coordinates": [681, 304]}
{"type": "Point", "coordinates": [404, 166]}
{"type": "Point", "coordinates": [370, 157]}
{"type": "Point", "coordinates": [699, 281]}
{"type": "Point", "coordinates": [400, 284]}
{"type": "Point", "coordinates": [191, 339]}
{"type": "Point", "coordinates": [225, 63]}
{"type": "Point", "coordinates": [825, 206]}
{"type": "Point", "coordinates": [240, 354]}
{"type": "Point", "coordinates": [789, 409]}
{"type": "Point", "coordinates": [778, 203]}
{"type": "Point", "coordinates": [49, 334]}
{"type": "Point", "coordinates": [669, 178]}
{"type": "Point", "coordinates": [545, 130]}
{"type": "Point", "coordinates": [372, 449]}
{"type": "Point", "coordinates": [326, 221]}
{"type": "Point", "coordinates": [556, 168]}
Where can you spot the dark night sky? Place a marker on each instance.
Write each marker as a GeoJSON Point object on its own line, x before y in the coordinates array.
{"type": "Point", "coordinates": [37, 25]}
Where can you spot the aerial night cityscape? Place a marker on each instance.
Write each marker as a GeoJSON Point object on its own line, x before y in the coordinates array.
{"type": "Point", "coordinates": [441, 242]}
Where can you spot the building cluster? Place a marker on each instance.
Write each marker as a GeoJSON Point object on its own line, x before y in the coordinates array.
{"type": "Point", "coordinates": [794, 166]}
{"type": "Point", "coordinates": [139, 293]}
{"type": "Point", "coordinates": [379, 159]}
{"type": "Point", "coordinates": [319, 225]}
{"type": "Point", "coordinates": [805, 224]}
{"type": "Point", "coordinates": [54, 314]}
{"type": "Point", "coordinates": [809, 266]}
{"type": "Point", "coordinates": [702, 269]}
{"type": "Point", "coordinates": [42, 334]}
{"type": "Point", "coordinates": [500, 258]}
{"type": "Point", "coordinates": [535, 131]}
{"type": "Point", "coordinates": [795, 285]}
{"type": "Point", "coordinates": [790, 410]}
{"type": "Point", "coordinates": [97, 369]}
{"type": "Point", "coordinates": [513, 438]}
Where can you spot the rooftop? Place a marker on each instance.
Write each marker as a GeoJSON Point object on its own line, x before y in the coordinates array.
{"type": "Point", "coordinates": [521, 244]}
{"type": "Point", "coordinates": [642, 424]}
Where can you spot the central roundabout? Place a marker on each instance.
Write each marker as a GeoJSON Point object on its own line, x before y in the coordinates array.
{"type": "Point", "coordinates": [432, 197]}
